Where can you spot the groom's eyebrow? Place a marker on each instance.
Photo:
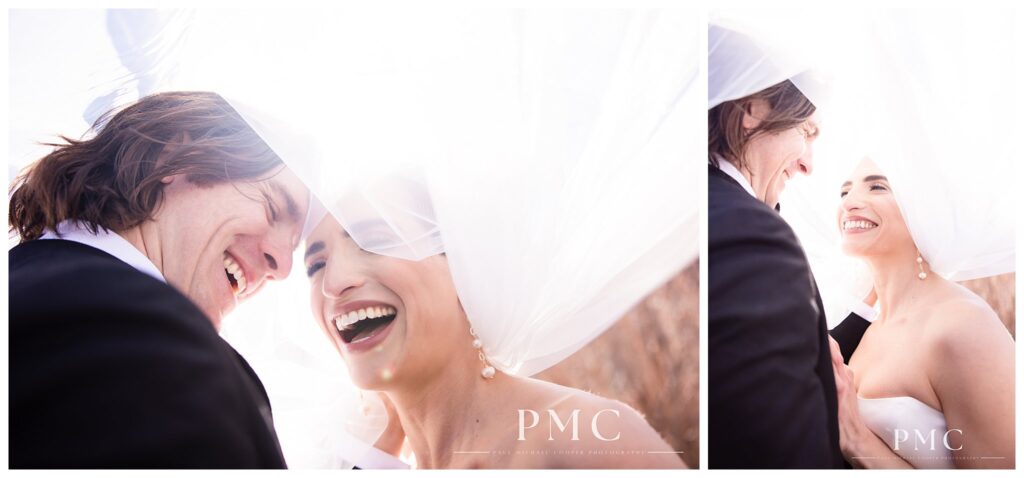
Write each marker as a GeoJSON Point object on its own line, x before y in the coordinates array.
{"type": "Point", "coordinates": [314, 248]}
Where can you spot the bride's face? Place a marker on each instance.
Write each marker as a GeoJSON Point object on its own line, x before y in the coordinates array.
{"type": "Point", "coordinates": [869, 218]}
{"type": "Point", "coordinates": [393, 321]}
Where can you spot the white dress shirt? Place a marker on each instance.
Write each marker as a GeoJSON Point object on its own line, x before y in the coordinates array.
{"type": "Point", "coordinates": [109, 242]}
{"type": "Point", "coordinates": [734, 173]}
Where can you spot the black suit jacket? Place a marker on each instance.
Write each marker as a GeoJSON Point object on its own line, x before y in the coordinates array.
{"type": "Point", "coordinates": [111, 368]}
{"type": "Point", "coordinates": [771, 390]}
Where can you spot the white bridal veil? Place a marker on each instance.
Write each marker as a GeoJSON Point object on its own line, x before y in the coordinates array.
{"type": "Point", "coordinates": [928, 95]}
{"type": "Point", "coordinates": [553, 155]}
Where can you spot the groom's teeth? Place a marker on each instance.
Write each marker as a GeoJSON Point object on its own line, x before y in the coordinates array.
{"type": "Point", "coordinates": [350, 318]}
{"type": "Point", "coordinates": [232, 267]}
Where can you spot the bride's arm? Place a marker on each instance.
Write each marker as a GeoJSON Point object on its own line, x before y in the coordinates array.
{"type": "Point", "coordinates": [972, 372]}
{"type": "Point", "coordinates": [860, 446]}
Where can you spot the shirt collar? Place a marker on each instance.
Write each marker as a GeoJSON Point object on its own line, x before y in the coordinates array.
{"type": "Point", "coordinates": [734, 173]}
{"type": "Point", "coordinates": [109, 242]}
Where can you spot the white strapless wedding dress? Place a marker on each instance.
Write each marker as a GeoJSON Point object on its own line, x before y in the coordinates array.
{"type": "Point", "coordinates": [912, 419]}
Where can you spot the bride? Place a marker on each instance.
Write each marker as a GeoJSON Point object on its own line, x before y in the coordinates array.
{"type": "Point", "coordinates": [931, 383]}
{"type": "Point", "coordinates": [400, 328]}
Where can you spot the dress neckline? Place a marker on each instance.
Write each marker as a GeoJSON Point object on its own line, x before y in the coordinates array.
{"type": "Point", "coordinates": [902, 397]}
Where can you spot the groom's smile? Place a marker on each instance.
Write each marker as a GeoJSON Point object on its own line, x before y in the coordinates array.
{"type": "Point", "coordinates": [235, 274]}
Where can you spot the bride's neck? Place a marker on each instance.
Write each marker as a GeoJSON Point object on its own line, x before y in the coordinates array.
{"type": "Point", "coordinates": [897, 283]}
{"type": "Point", "coordinates": [443, 415]}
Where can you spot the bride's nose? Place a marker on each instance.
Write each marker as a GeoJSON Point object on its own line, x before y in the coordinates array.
{"type": "Point", "coordinates": [851, 202]}
{"type": "Point", "coordinates": [339, 280]}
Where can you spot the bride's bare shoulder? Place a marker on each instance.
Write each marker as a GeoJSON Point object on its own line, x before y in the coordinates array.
{"type": "Point", "coordinates": [961, 322]}
{"type": "Point", "coordinates": [609, 433]}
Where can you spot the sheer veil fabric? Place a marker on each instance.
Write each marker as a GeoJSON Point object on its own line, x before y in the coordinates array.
{"type": "Point", "coordinates": [927, 95]}
{"type": "Point", "coordinates": [552, 155]}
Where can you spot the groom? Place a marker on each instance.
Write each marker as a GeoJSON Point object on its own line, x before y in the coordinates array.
{"type": "Point", "coordinates": [771, 390]}
{"type": "Point", "coordinates": [134, 245]}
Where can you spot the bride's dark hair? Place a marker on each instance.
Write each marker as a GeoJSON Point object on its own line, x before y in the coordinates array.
{"type": "Point", "coordinates": [728, 139]}
{"type": "Point", "coordinates": [113, 180]}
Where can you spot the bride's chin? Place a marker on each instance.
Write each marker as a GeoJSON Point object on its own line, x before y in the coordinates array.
{"type": "Point", "coordinates": [377, 374]}
{"type": "Point", "coordinates": [368, 380]}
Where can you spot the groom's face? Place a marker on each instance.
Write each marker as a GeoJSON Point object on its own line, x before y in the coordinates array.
{"type": "Point", "coordinates": [775, 158]}
{"type": "Point", "coordinates": [220, 244]}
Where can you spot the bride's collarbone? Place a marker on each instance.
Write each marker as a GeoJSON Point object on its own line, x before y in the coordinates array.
{"type": "Point", "coordinates": [897, 354]}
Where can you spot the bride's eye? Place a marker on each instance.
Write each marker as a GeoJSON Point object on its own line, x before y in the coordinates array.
{"type": "Point", "coordinates": [879, 187]}
{"type": "Point", "coordinates": [314, 268]}
{"type": "Point", "coordinates": [843, 194]}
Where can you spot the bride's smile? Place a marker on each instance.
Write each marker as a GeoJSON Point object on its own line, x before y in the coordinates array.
{"type": "Point", "coordinates": [857, 225]}
{"type": "Point", "coordinates": [395, 322]}
{"type": "Point", "coordinates": [868, 217]}
{"type": "Point", "coordinates": [362, 324]}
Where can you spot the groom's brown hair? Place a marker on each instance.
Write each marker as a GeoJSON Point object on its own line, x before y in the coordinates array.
{"type": "Point", "coordinates": [727, 138]}
{"type": "Point", "coordinates": [113, 179]}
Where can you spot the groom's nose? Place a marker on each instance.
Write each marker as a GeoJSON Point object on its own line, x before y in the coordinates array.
{"type": "Point", "coordinates": [806, 161]}
{"type": "Point", "coordinates": [277, 255]}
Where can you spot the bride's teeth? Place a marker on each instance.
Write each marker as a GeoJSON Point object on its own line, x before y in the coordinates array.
{"type": "Point", "coordinates": [847, 225]}
{"type": "Point", "coordinates": [343, 321]}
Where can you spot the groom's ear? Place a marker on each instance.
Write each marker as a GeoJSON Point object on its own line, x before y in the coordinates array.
{"type": "Point", "coordinates": [754, 112]}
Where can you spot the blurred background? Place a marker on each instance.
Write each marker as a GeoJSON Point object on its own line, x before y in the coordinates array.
{"type": "Point", "coordinates": [1000, 292]}
{"type": "Point", "coordinates": [649, 360]}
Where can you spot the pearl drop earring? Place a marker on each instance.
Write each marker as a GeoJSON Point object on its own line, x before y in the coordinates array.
{"type": "Point", "coordinates": [920, 265]}
{"type": "Point", "coordinates": [488, 371]}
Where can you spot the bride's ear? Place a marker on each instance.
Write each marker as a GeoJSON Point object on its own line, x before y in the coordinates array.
{"type": "Point", "coordinates": [754, 112]}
